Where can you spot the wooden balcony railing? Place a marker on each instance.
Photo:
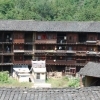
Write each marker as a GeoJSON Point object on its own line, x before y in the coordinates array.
{"type": "Point", "coordinates": [91, 41]}
{"type": "Point", "coordinates": [61, 62]}
{"type": "Point", "coordinates": [18, 40]}
{"type": "Point", "coordinates": [18, 50]}
{"type": "Point", "coordinates": [22, 62]}
{"type": "Point", "coordinates": [28, 51]}
{"type": "Point", "coordinates": [52, 41]}
{"type": "Point", "coordinates": [53, 51]}
{"type": "Point", "coordinates": [27, 61]}
{"type": "Point", "coordinates": [61, 51]}
{"type": "Point", "coordinates": [81, 53]}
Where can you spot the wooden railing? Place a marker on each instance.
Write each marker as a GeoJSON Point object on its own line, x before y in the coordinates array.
{"type": "Point", "coordinates": [52, 41]}
{"type": "Point", "coordinates": [28, 50]}
{"type": "Point", "coordinates": [22, 62]}
{"type": "Point", "coordinates": [61, 62]}
{"type": "Point", "coordinates": [18, 40]}
{"type": "Point", "coordinates": [19, 50]}
{"type": "Point", "coordinates": [27, 61]}
{"type": "Point", "coordinates": [81, 53]}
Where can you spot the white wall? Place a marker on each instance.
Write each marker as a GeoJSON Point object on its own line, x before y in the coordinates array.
{"type": "Point", "coordinates": [24, 78]}
{"type": "Point", "coordinates": [42, 76]}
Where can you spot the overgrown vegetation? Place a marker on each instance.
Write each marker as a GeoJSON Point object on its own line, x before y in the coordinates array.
{"type": "Point", "coordinates": [64, 82]}
{"type": "Point", "coordinates": [77, 10]}
{"type": "Point", "coordinates": [4, 78]}
{"type": "Point", "coordinates": [6, 81]}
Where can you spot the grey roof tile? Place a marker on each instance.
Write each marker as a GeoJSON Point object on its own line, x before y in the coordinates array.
{"type": "Point", "coordinates": [91, 69]}
{"type": "Point", "coordinates": [86, 93]}
{"type": "Point", "coordinates": [60, 26]}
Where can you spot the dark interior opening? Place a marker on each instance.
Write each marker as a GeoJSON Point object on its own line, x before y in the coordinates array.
{"type": "Point", "coordinates": [95, 81]}
{"type": "Point", "coordinates": [82, 37]}
{"type": "Point", "coordinates": [6, 68]}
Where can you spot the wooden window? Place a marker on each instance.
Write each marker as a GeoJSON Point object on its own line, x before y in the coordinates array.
{"type": "Point", "coordinates": [20, 47]}
{"type": "Point", "coordinates": [18, 36]}
{"type": "Point", "coordinates": [43, 36]}
{"type": "Point", "coordinates": [73, 70]}
{"type": "Point", "coordinates": [70, 48]}
{"type": "Point", "coordinates": [39, 37]}
{"type": "Point", "coordinates": [69, 58]}
{"type": "Point", "coordinates": [49, 36]}
{"type": "Point", "coordinates": [54, 36]}
{"type": "Point", "coordinates": [70, 38]}
{"type": "Point", "coordinates": [18, 58]}
{"type": "Point", "coordinates": [91, 38]}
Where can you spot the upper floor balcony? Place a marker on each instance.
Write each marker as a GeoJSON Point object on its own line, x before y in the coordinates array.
{"type": "Point", "coordinates": [18, 41]}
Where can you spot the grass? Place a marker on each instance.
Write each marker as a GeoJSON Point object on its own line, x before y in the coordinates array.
{"type": "Point", "coordinates": [63, 82]}
{"type": "Point", "coordinates": [14, 83]}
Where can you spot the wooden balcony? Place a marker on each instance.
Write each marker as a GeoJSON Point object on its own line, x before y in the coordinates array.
{"type": "Point", "coordinates": [61, 51]}
{"type": "Point", "coordinates": [18, 62]}
{"type": "Point", "coordinates": [28, 52]}
{"type": "Point", "coordinates": [91, 41]}
{"type": "Point", "coordinates": [50, 51]}
{"type": "Point", "coordinates": [39, 51]}
{"type": "Point", "coordinates": [18, 51]}
{"type": "Point", "coordinates": [52, 41]}
{"type": "Point", "coordinates": [6, 63]}
{"type": "Point", "coordinates": [18, 41]}
{"type": "Point", "coordinates": [81, 53]}
{"type": "Point", "coordinates": [28, 62]}
{"type": "Point", "coordinates": [91, 53]}
{"type": "Point", "coordinates": [7, 53]}
{"type": "Point", "coordinates": [60, 62]}
{"type": "Point", "coordinates": [71, 51]}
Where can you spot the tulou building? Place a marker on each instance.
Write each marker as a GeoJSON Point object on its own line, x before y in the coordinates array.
{"type": "Point", "coordinates": [65, 46]}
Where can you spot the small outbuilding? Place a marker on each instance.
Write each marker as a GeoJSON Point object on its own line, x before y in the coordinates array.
{"type": "Point", "coordinates": [21, 73]}
{"type": "Point", "coordinates": [39, 71]}
{"type": "Point", "coordinates": [90, 74]}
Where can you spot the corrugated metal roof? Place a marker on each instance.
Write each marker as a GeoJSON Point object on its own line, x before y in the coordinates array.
{"type": "Point", "coordinates": [91, 69]}
{"type": "Point", "coordinates": [60, 26]}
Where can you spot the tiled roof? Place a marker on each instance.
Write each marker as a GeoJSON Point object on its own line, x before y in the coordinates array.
{"type": "Point", "coordinates": [91, 69]}
{"type": "Point", "coordinates": [86, 93]}
{"type": "Point", "coordinates": [60, 26]}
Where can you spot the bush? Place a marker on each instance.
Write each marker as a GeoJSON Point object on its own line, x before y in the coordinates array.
{"type": "Point", "coordinates": [4, 77]}
{"type": "Point", "coordinates": [73, 82]}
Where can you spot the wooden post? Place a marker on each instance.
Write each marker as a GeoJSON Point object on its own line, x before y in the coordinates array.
{"type": "Point", "coordinates": [81, 83]}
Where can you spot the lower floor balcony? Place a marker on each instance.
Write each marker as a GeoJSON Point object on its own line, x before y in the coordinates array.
{"type": "Point", "coordinates": [60, 62]}
{"type": "Point", "coordinates": [28, 62]}
{"type": "Point", "coordinates": [6, 63]}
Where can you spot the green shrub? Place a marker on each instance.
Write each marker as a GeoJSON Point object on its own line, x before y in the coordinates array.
{"type": "Point", "coordinates": [4, 76]}
{"type": "Point", "coordinates": [73, 82]}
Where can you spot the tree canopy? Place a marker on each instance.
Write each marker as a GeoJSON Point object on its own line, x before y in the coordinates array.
{"type": "Point", "coordinates": [52, 10]}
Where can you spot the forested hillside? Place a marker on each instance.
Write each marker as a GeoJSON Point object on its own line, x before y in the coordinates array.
{"type": "Point", "coordinates": [69, 10]}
